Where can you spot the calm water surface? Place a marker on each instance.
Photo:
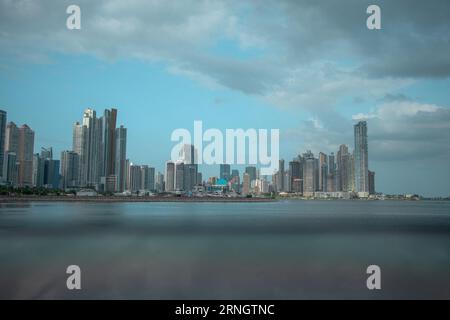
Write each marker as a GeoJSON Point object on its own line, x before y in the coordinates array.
{"type": "Point", "coordinates": [279, 250]}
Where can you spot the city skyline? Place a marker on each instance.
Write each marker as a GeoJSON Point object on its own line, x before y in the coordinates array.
{"type": "Point", "coordinates": [98, 160]}
{"type": "Point", "coordinates": [313, 72]}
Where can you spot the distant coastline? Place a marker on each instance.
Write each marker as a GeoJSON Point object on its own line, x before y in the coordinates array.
{"type": "Point", "coordinates": [12, 199]}
{"type": "Point", "coordinates": [216, 199]}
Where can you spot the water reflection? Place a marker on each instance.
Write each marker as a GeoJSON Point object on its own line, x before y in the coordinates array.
{"type": "Point", "coordinates": [285, 250]}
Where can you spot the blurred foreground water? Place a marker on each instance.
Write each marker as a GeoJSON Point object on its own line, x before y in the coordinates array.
{"type": "Point", "coordinates": [276, 250]}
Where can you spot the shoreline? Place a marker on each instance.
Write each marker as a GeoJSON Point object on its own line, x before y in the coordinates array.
{"type": "Point", "coordinates": [129, 199]}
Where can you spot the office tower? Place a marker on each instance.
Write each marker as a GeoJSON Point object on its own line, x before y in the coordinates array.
{"type": "Point", "coordinates": [371, 182]}
{"type": "Point", "coordinates": [199, 179]}
{"type": "Point", "coordinates": [135, 178]}
{"type": "Point", "coordinates": [151, 179]}
{"type": "Point", "coordinates": [179, 175]}
{"type": "Point", "coordinates": [47, 153]}
{"type": "Point", "coordinates": [251, 171]}
{"type": "Point", "coordinates": [331, 163]}
{"type": "Point", "coordinates": [287, 182]}
{"type": "Point", "coordinates": [148, 178]}
{"type": "Point", "coordinates": [331, 179]}
{"type": "Point", "coordinates": [12, 138]}
{"type": "Point", "coordinates": [309, 174]}
{"type": "Point", "coordinates": [127, 174]}
{"type": "Point", "coordinates": [225, 171]}
{"type": "Point", "coordinates": [10, 168]}
{"type": "Point", "coordinates": [189, 177]}
{"type": "Point", "coordinates": [38, 170]}
{"type": "Point", "coordinates": [121, 156]}
{"type": "Point", "coordinates": [276, 182]}
{"type": "Point", "coordinates": [94, 142]}
{"type": "Point", "coordinates": [343, 169]}
{"type": "Point", "coordinates": [51, 173]}
{"type": "Point", "coordinates": [88, 143]}
{"type": "Point", "coordinates": [159, 183]}
{"type": "Point", "coordinates": [80, 146]}
{"type": "Point", "coordinates": [322, 174]}
{"type": "Point", "coordinates": [324, 177]}
{"type": "Point", "coordinates": [188, 156]}
{"type": "Point", "coordinates": [351, 178]}
{"type": "Point", "coordinates": [25, 156]}
{"type": "Point", "coordinates": [108, 138]}
{"type": "Point", "coordinates": [69, 169]}
{"type": "Point", "coordinates": [2, 140]}
{"type": "Point", "coordinates": [20, 142]}
{"type": "Point", "coordinates": [294, 169]}
{"type": "Point", "coordinates": [246, 183]}
{"type": "Point", "coordinates": [11, 147]}
{"type": "Point", "coordinates": [170, 176]}
{"type": "Point", "coordinates": [281, 175]}
{"type": "Point", "coordinates": [361, 157]}
{"type": "Point", "coordinates": [235, 180]}
{"type": "Point", "coordinates": [261, 185]}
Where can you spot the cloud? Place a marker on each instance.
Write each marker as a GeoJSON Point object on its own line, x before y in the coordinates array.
{"type": "Point", "coordinates": [312, 53]}
{"type": "Point", "coordinates": [398, 130]}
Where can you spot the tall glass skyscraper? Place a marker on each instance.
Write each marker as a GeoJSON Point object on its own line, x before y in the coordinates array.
{"type": "Point", "coordinates": [225, 171]}
{"type": "Point", "coordinates": [2, 139]}
{"type": "Point", "coordinates": [361, 157]}
{"type": "Point", "coordinates": [121, 156]}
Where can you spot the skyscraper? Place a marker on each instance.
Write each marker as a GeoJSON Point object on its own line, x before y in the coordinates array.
{"type": "Point", "coordinates": [148, 178]}
{"type": "Point", "coordinates": [344, 169]}
{"type": "Point", "coordinates": [38, 170]}
{"type": "Point", "coordinates": [11, 154]}
{"type": "Point", "coordinates": [93, 161]}
{"type": "Point", "coordinates": [10, 168]}
{"type": "Point", "coordinates": [135, 178]}
{"type": "Point", "coordinates": [69, 169]}
{"type": "Point", "coordinates": [323, 171]}
{"type": "Point", "coordinates": [170, 176]}
{"type": "Point", "coordinates": [371, 182]}
{"type": "Point", "coordinates": [51, 173]}
{"type": "Point", "coordinates": [159, 184]}
{"type": "Point", "coordinates": [179, 175]}
{"type": "Point", "coordinates": [79, 146]}
{"type": "Point", "coordinates": [361, 157]}
{"type": "Point", "coordinates": [25, 156]}
{"type": "Point", "coordinates": [246, 184]}
{"type": "Point", "coordinates": [108, 145]}
{"type": "Point", "coordinates": [251, 171]}
{"type": "Point", "coordinates": [225, 171]}
{"type": "Point", "coordinates": [295, 175]}
{"type": "Point", "coordinates": [281, 176]}
{"type": "Point", "coordinates": [309, 174]}
{"type": "Point", "coordinates": [2, 140]}
{"type": "Point", "coordinates": [120, 158]}
{"type": "Point", "coordinates": [127, 174]}
{"type": "Point", "coordinates": [47, 153]}
{"type": "Point", "coordinates": [188, 156]}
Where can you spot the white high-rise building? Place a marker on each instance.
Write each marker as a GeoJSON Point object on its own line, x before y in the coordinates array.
{"type": "Point", "coordinates": [121, 156]}
{"type": "Point", "coordinates": [25, 156]}
{"type": "Point", "coordinates": [361, 158]}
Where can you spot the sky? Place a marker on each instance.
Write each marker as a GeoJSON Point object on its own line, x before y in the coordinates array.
{"type": "Point", "coordinates": [308, 68]}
